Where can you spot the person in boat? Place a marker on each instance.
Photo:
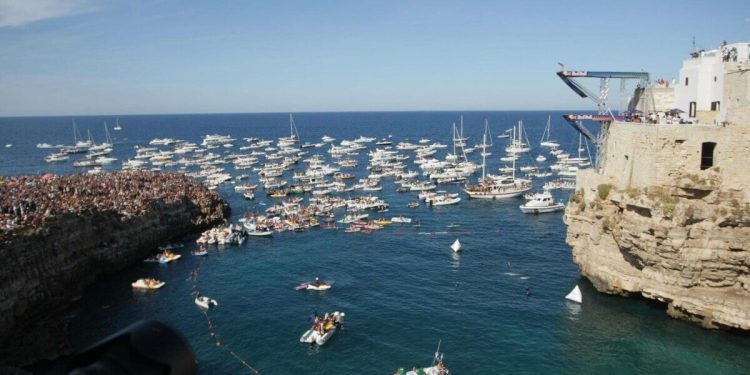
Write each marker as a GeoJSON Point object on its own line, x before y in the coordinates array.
{"type": "Point", "coordinates": [317, 282]}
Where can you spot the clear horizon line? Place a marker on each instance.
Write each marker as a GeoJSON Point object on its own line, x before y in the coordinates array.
{"type": "Point", "coordinates": [295, 112]}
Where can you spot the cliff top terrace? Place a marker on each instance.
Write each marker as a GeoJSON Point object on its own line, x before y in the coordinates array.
{"type": "Point", "coordinates": [29, 201]}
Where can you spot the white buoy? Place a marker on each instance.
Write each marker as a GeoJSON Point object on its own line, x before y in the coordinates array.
{"type": "Point", "coordinates": [456, 246]}
{"type": "Point", "coordinates": [575, 295]}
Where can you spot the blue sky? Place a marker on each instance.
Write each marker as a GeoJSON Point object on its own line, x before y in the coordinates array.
{"type": "Point", "coordinates": [77, 57]}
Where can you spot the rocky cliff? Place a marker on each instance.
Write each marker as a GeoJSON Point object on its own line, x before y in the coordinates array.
{"type": "Point", "coordinates": [686, 244]}
{"type": "Point", "coordinates": [44, 270]}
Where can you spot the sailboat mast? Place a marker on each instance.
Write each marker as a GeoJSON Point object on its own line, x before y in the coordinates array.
{"type": "Point", "coordinates": [484, 149]}
{"type": "Point", "coordinates": [461, 136]}
{"type": "Point", "coordinates": [291, 125]}
{"type": "Point", "coordinates": [545, 133]}
{"type": "Point", "coordinates": [454, 138]}
{"type": "Point", "coordinates": [106, 134]}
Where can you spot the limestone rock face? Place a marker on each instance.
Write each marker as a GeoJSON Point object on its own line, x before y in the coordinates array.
{"type": "Point", "coordinates": [45, 270]}
{"type": "Point", "coordinates": [686, 244]}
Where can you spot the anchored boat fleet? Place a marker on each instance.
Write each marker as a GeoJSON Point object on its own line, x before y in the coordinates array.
{"type": "Point", "coordinates": [324, 172]}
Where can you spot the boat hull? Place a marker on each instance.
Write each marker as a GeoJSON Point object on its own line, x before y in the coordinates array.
{"type": "Point", "coordinates": [206, 303]}
{"type": "Point", "coordinates": [495, 195]}
{"type": "Point", "coordinates": [140, 284]}
{"type": "Point", "coordinates": [541, 210]}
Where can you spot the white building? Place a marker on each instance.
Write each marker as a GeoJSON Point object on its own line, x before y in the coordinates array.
{"type": "Point", "coordinates": [700, 87]}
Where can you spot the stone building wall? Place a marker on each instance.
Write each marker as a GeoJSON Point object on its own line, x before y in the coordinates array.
{"type": "Point", "coordinates": [653, 223]}
{"type": "Point", "coordinates": [641, 155]}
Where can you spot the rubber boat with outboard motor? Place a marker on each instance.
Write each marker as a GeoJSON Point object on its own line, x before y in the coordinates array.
{"type": "Point", "coordinates": [323, 328]}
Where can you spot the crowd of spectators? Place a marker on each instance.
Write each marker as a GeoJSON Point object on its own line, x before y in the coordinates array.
{"type": "Point", "coordinates": [655, 118]}
{"type": "Point", "coordinates": [728, 54]}
{"type": "Point", "coordinates": [31, 200]}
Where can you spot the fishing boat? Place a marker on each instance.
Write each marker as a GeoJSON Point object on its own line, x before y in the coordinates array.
{"type": "Point", "coordinates": [456, 246]}
{"type": "Point", "coordinates": [575, 295]}
{"type": "Point", "coordinates": [205, 302]}
{"type": "Point", "coordinates": [323, 328]}
{"type": "Point", "coordinates": [436, 368]}
{"type": "Point", "coordinates": [541, 203]}
{"type": "Point", "coordinates": [149, 284]}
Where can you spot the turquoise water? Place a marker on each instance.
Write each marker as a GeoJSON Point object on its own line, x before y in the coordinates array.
{"type": "Point", "coordinates": [402, 288]}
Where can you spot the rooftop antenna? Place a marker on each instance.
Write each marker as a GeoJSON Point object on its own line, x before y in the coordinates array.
{"type": "Point", "coordinates": [694, 50]}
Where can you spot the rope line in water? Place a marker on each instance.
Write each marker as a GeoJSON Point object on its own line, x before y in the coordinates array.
{"type": "Point", "coordinates": [212, 327]}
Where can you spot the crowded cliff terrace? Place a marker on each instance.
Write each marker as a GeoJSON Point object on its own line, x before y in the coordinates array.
{"type": "Point", "coordinates": [30, 201]}
{"type": "Point", "coordinates": [666, 118]}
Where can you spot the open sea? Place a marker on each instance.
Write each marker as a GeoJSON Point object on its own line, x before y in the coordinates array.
{"type": "Point", "coordinates": [402, 288]}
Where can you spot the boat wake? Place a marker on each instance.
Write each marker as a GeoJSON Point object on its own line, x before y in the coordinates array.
{"type": "Point", "coordinates": [443, 233]}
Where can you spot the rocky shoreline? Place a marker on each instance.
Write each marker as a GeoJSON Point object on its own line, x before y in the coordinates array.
{"type": "Point", "coordinates": [46, 269]}
{"type": "Point", "coordinates": [686, 244]}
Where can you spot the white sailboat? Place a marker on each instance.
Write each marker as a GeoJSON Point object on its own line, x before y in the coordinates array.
{"type": "Point", "coordinates": [105, 147]}
{"type": "Point", "coordinates": [293, 137]}
{"type": "Point", "coordinates": [492, 188]}
{"type": "Point", "coordinates": [575, 295]}
{"type": "Point", "coordinates": [457, 246]}
{"type": "Point", "coordinates": [517, 144]}
{"type": "Point", "coordinates": [117, 125]}
{"type": "Point", "coordinates": [546, 141]}
{"type": "Point", "coordinates": [458, 141]}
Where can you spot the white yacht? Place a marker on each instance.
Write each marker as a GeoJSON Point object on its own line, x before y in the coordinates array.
{"type": "Point", "coordinates": [541, 203]}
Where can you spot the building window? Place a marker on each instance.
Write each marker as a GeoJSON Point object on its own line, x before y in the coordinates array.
{"type": "Point", "coordinates": [707, 154]}
{"type": "Point", "coordinates": [692, 110]}
{"type": "Point", "coordinates": [686, 81]}
{"type": "Point", "coordinates": [715, 106]}
{"type": "Point", "coordinates": [714, 78]}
